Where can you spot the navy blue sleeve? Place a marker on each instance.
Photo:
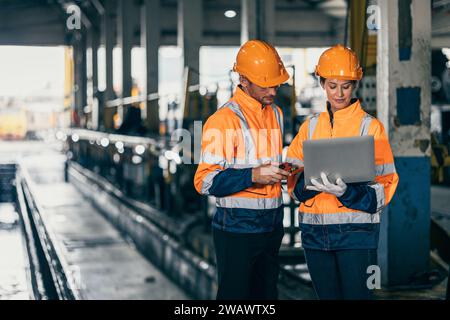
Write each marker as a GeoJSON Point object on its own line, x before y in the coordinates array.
{"type": "Point", "coordinates": [301, 193]}
{"type": "Point", "coordinates": [360, 197]}
{"type": "Point", "coordinates": [230, 181]}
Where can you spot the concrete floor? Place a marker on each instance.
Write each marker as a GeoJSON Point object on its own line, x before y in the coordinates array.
{"type": "Point", "coordinates": [103, 264]}
{"type": "Point", "coordinates": [13, 267]}
{"type": "Point", "coordinates": [106, 266]}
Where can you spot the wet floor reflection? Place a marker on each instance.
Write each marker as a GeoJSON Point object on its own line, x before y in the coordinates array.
{"type": "Point", "coordinates": [13, 281]}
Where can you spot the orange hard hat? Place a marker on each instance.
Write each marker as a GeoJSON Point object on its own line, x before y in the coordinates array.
{"type": "Point", "coordinates": [261, 64]}
{"type": "Point", "coordinates": [339, 62]}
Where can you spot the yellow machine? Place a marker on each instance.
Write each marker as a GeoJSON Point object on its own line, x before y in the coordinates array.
{"type": "Point", "coordinates": [13, 124]}
{"type": "Point", "coordinates": [362, 40]}
{"type": "Point", "coordinates": [69, 82]}
{"type": "Point", "coordinates": [440, 162]}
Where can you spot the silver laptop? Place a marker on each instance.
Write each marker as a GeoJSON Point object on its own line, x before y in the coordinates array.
{"type": "Point", "coordinates": [351, 159]}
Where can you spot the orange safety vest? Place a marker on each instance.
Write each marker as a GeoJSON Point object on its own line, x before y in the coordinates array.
{"type": "Point", "coordinates": [324, 208]}
{"type": "Point", "coordinates": [241, 134]}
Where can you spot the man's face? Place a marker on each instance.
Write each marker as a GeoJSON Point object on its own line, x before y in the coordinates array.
{"type": "Point", "coordinates": [266, 96]}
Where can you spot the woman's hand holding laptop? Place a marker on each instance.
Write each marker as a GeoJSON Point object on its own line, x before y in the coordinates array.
{"type": "Point", "coordinates": [337, 189]}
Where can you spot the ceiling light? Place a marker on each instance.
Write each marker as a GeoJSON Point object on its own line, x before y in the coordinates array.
{"type": "Point", "coordinates": [230, 14]}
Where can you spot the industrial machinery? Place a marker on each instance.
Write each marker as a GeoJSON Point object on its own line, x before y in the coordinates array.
{"type": "Point", "coordinates": [157, 171]}
{"type": "Point", "coordinates": [13, 123]}
{"type": "Point", "coordinates": [440, 162]}
{"type": "Point", "coordinates": [440, 119]}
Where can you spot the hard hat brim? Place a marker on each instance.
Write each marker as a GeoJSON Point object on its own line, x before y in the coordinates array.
{"type": "Point", "coordinates": [357, 75]}
{"type": "Point", "coordinates": [267, 84]}
{"type": "Point", "coordinates": [340, 77]}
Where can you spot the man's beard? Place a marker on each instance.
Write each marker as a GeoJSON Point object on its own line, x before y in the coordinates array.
{"type": "Point", "coordinates": [265, 99]}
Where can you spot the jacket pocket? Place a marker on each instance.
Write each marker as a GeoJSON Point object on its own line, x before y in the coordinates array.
{"type": "Point", "coordinates": [262, 193]}
{"type": "Point", "coordinates": [310, 202]}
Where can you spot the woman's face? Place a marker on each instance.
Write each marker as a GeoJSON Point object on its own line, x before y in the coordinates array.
{"type": "Point", "coordinates": [339, 93]}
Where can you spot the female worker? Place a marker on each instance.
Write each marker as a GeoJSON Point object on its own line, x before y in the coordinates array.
{"type": "Point", "coordinates": [340, 222]}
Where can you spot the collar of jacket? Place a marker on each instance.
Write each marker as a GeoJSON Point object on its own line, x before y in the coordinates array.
{"type": "Point", "coordinates": [352, 110]}
{"type": "Point", "coordinates": [245, 101]}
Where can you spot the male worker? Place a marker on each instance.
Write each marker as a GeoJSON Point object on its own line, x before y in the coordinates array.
{"type": "Point", "coordinates": [241, 153]}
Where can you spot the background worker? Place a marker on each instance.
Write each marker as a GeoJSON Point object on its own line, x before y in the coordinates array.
{"type": "Point", "coordinates": [241, 151]}
{"type": "Point", "coordinates": [340, 222]}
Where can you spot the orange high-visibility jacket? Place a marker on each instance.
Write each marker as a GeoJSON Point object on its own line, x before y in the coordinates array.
{"type": "Point", "coordinates": [241, 135]}
{"type": "Point", "coordinates": [350, 221]}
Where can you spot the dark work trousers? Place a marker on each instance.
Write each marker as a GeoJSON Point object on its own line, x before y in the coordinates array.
{"type": "Point", "coordinates": [247, 264]}
{"type": "Point", "coordinates": [341, 274]}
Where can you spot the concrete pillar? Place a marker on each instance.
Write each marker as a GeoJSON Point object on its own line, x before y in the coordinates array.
{"type": "Point", "coordinates": [190, 33]}
{"type": "Point", "coordinates": [76, 77]}
{"type": "Point", "coordinates": [258, 20]}
{"type": "Point", "coordinates": [95, 44]}
{"type": "Point", "coordinates": [83, 77]}
{"type": "Point", "coordinates": [108, 28]}
{"type": "Point", "coordinates": [269, 21]}
{"type": "Point", "coordinates": [150, 40]}
{"type": "Point", "coordinates": [403, 105]}
{"type": "Point", "coordinates": [80, 72]}
{"type": "Point", "coordinates": [97, 116]}
{"type": "Point", "coordinates": [125, 42]}
{"type": "Point", "coordinates": [249, 18]}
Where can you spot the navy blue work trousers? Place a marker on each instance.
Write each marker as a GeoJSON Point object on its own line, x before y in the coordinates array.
{"type": "Point", "coordinates": [247, 264]}
{"type": "Point", "coordinates": [341, 274]}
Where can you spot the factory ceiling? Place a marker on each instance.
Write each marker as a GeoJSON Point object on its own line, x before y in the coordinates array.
{"type": "Point", "coordinates": [298, 23]}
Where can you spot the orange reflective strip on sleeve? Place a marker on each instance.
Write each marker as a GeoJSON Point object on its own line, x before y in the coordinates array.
{"type": "Point", "coordinates": [389, 182]}
{"type": "Point", "coordinates": [203, 170]}
{"type": "Point", "coordinates": [383, 152]}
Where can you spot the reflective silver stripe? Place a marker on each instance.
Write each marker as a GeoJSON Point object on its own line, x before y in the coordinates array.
{"type": "Point", "coordinates": [207, 181]}
{"type": "Point", "coordinates": [363, 131]}
{"type": "Point", "coordinates": [279, 119]}
{"type": "Point", "coordinates": [365, 124]}
{"type": "Point", "coordinates": [209, 158]}
{"type": "Point", "coordinates": [250, 148]}
{"type": "Point", "coordinates": [249, 203]}
{"type": "Point", "coordinates": [384, 169]}
{"type": "Point", "coordinates": [379, 190]}
{"type": "Point", "coordinates": [338, 218]}
{"type": "Point", "coordinates": [267, 159]}
{"type": "Point", "coordinates": [243, 163]}
{"type": "Point", "coordinates": [312, 125]}
{"type": "Point", "coordinates": [237, 110]}
{"type": "Point", "coordinates": [295, 161]}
